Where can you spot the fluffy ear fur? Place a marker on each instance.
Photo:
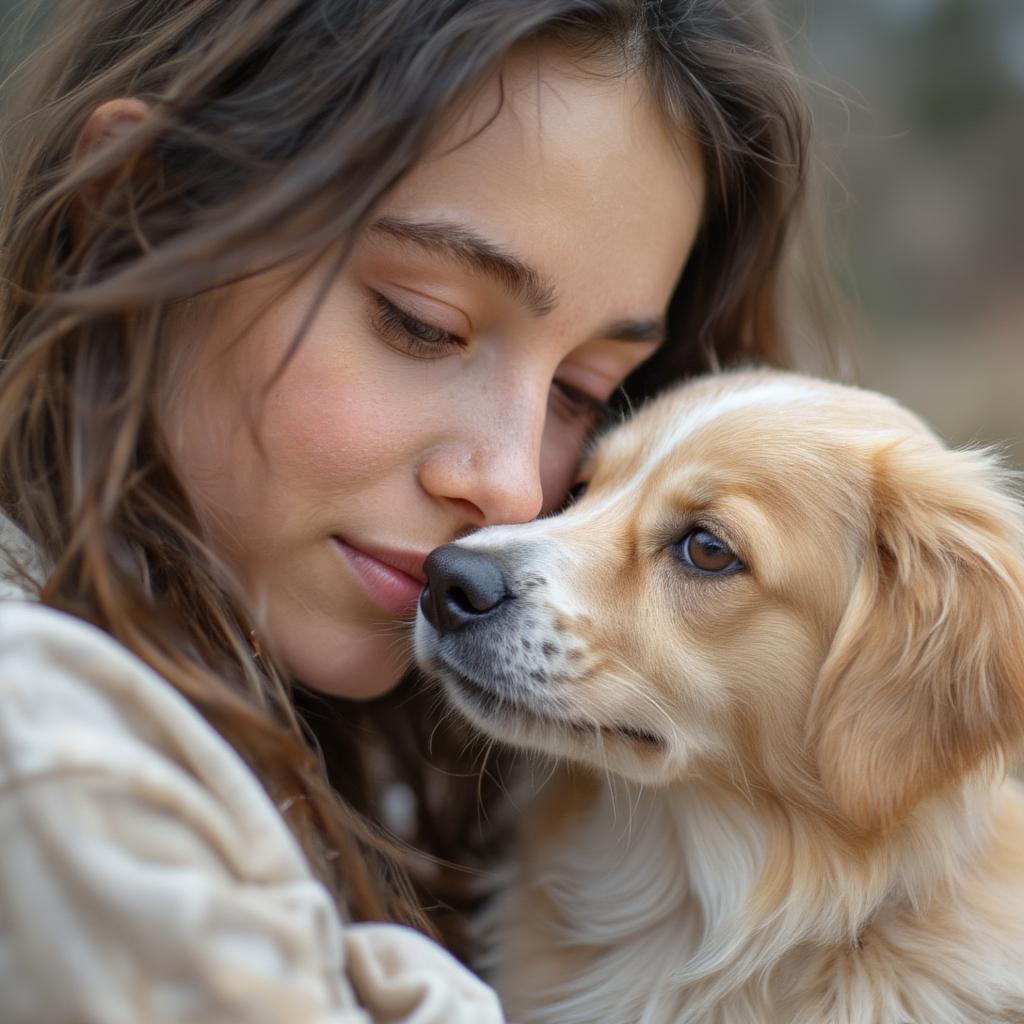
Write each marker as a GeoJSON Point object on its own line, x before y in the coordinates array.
{"type": "Point", "coordinates": [925, 679]}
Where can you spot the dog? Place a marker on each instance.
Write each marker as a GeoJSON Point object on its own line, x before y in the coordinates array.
{"type": "Point", "coordinates": [774, 649]}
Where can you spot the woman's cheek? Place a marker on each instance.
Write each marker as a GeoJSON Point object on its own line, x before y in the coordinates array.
{"type": "Point", "coordinates": [331, 433]}
{"type": "Point", "coordinates": [340, 409]}
{"type": "Point", "coordinates": [560, 455]}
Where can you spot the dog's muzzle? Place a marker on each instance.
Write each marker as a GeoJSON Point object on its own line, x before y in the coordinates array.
{"type": "Point", "coordinates": [463, 587]}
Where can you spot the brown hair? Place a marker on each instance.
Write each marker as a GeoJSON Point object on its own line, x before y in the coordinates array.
{"type": "Point", "coordinates": [273, 126]}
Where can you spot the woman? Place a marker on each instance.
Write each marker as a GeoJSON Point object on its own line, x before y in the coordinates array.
{"type": "Point", "coordinates": [294, 291]}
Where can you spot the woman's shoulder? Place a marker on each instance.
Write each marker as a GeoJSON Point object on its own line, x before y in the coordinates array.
{"type": "Point", "coordinates": [58, 667]}
{"type": "Point", "coordinates": [127, 824]}
{"type": "Point", "coordinates": [143, 863]}
{"type": "Point", "coordinates": [75, 704]}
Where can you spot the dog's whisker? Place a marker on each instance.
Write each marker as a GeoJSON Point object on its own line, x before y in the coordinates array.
{"type": "Point", "coordinates": [488, 748]}
{"type": "Point", "coordinates": [550, 768]}
{"type": "Point", "coordinates": [401, 645]}
{"type": "Point", "coordinates": [634, 807]}
{"type": "Point", "coordinates": [627, 680]}
{"type": "Point", "coordinates": [385, 629]}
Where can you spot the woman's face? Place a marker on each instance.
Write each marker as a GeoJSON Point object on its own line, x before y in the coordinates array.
{"type": "Point", "coordinates": [511, 281]}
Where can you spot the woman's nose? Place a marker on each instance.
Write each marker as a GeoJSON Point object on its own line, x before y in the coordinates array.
{"type": "Point", "coordinates": [492, 472]}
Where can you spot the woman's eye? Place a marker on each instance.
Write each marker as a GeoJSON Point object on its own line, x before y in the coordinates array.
{"type": "Point", "coordinates": [576, 492]}
{"type": "Point", "coordinates": [703, 551]}
{"type": "Point", "coordinates": [400, 328]}
{"type": "Point", "coordinates": [579, 404]}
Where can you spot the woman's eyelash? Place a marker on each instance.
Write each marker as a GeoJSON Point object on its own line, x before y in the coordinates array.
{"type": "Point", "coordinates": [415, 335]}
{"type": "Point", "coordinates": [582, 404]}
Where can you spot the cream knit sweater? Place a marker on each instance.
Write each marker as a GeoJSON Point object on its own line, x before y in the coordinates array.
{"type": "Point", "coordinates": [146, 876]}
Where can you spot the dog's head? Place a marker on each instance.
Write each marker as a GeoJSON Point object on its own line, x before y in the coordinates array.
{"type": "Point", "coordinates": [765, 578]}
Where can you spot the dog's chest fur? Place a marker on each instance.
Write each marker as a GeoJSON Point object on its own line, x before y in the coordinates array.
{"type": "Point", "coordinates": [653, 907]}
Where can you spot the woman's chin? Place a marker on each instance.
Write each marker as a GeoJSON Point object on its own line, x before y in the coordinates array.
{"type": "Point", "coordinates": [344, 662]}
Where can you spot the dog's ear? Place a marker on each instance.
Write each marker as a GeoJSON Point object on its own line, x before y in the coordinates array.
{"type": "Point", "coordinates": [925, 678]}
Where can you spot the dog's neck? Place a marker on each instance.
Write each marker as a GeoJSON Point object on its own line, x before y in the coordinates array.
{"type": "Point", "coordinates": [705, 887]}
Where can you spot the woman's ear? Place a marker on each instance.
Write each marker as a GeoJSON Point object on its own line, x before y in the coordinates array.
{"type": "Point", "coordinates": [925, 679]}
{"type": "Point", "coordinates": [93, 154]}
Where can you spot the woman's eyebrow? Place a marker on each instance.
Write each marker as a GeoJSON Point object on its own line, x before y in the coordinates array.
{"type": "Point", "coordinates": [463, 244]}
{"type": "Point", "coordinates": [652, 330]}
{"type": "Point", "coordinates": [514, 275]}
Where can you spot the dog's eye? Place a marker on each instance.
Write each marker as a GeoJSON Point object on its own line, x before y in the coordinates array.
{"type": "Point", "coordinates": [703, 551]}
{"type": "Point", "coordinates": [576, 492]}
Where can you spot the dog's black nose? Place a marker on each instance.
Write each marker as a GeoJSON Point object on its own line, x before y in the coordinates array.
{"type": "Point", "coordinates": [463, 586]}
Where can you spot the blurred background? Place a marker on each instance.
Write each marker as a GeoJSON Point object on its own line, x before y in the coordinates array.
{"type": "Point", "coordinates": [920, 119]}
{"type": "Point", "coordinates": [919, 108]}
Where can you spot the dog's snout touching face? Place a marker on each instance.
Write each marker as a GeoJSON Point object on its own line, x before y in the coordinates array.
{"type": "Point", "coordinates": [745, 548]}
{"type": "Point", "coordinates": [463, 587]}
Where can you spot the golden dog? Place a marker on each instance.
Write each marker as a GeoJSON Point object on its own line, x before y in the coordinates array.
{"type": "Point", "coordinates": [777, 649]}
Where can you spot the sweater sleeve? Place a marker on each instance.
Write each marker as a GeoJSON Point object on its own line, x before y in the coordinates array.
{"type": "Point", "coordinates": [145, 875]}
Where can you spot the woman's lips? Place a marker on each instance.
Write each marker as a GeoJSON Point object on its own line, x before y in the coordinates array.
{"type": "Point", "coordinates": [392, 579]}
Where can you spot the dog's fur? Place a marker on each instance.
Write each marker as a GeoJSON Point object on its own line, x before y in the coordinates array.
{"type": "Point", "coordinates": [781, 793]}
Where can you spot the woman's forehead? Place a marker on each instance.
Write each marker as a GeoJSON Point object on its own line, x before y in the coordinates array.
{"type": "Point", "coordinates": [579, 176]}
